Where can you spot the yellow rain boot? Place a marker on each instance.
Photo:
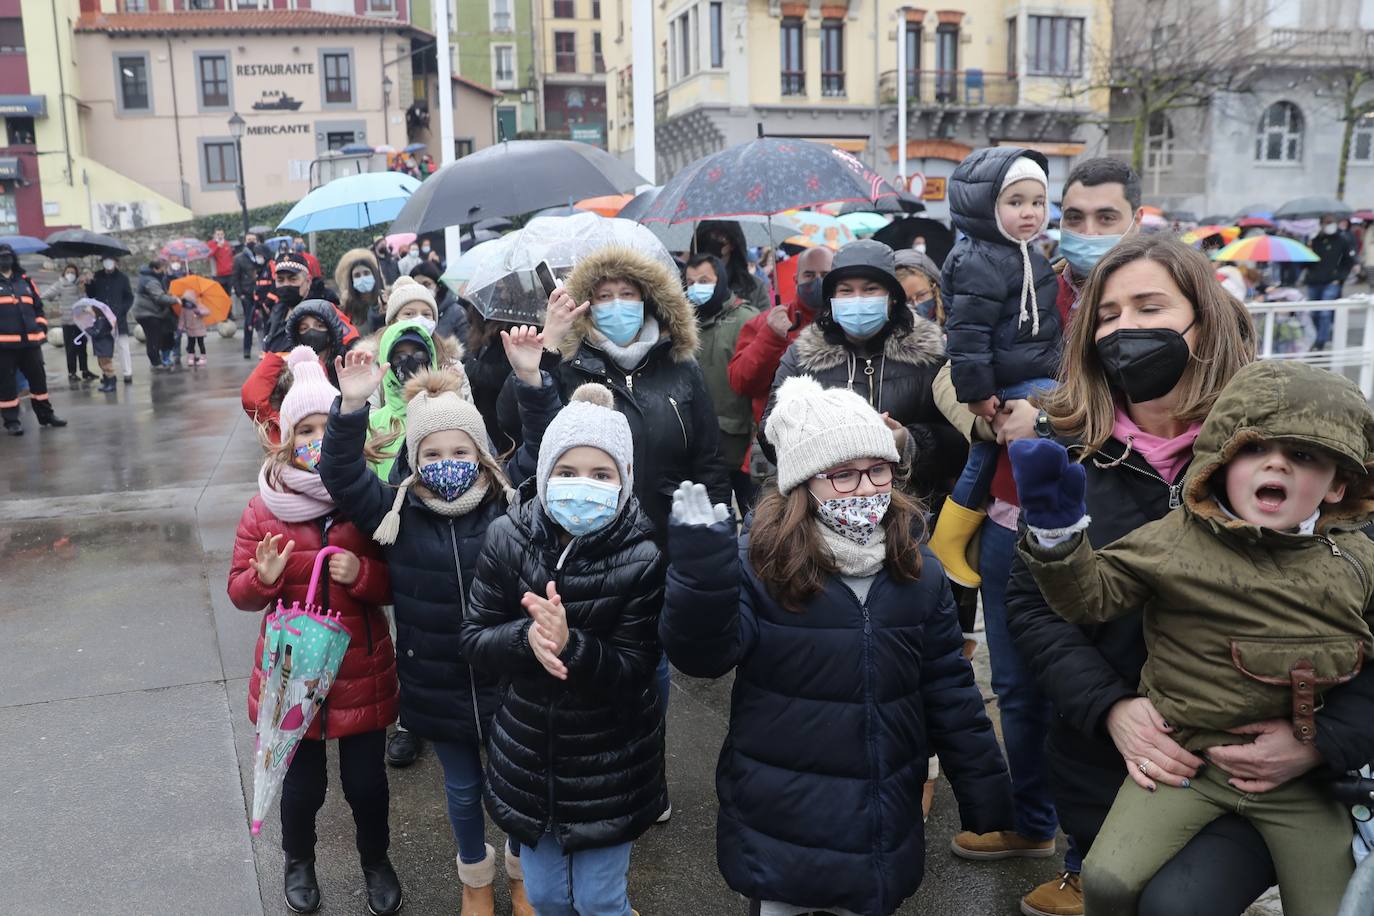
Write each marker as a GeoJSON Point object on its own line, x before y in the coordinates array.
{"type": "Point", "coordinates": [949, 543]}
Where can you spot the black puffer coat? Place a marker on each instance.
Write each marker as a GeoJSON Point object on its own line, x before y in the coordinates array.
{"type": "Point", "coordinates": [112, 288]}
{"type": "Point", "coordinates": [989, 346]}
{"type": "Point", "coordinates": [453, 318]}
{"type": "Point", "coordinates": [432, 566]}
{"type": "Point", "coordinates": [581, 757]}
{"type": "Point", "coordinates": [897, 379]}
{"type": "Point", "coordinates": [833, 716]}
{"type": "Point", "coordinates": [488, 369]}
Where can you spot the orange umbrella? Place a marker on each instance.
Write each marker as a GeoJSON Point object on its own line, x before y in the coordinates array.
{"type": "Point", "coordinates": [1228, 234]}
{"type": "Point", "coordinates": [209, 293]}
{"type": "Point", "coordinates": [609, 205]}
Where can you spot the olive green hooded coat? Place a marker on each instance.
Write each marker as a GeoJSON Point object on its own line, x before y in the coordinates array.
{"type": "Point", "coordinates": [1242, 623]}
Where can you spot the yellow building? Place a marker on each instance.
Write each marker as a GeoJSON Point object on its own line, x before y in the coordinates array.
{"type": "Point", "coordinates": [981, 72]}
{"type": "Point", "coordinates": [569, 37]}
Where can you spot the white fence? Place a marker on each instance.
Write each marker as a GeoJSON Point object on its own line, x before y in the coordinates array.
{"type": "Point", "coordinates": [1354, 358]}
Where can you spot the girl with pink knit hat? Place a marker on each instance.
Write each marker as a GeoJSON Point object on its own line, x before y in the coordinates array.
{"type": "Point", "coordinates": [289, 521]}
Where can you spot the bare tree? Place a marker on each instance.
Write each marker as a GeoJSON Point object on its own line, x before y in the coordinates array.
{"type": "Point", "coordinates": [1346, 81]}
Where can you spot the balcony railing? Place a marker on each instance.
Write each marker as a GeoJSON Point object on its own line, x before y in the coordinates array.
{"type": "Point", "coordinates": [951, 87]}
{"type": "Point", "coordinates": [1321, 41]}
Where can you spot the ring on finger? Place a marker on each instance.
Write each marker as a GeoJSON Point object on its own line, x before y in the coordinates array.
{"type": "Point", "coordinates": [1144, 766]}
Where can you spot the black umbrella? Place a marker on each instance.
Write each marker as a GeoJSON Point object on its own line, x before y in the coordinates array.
{"type": "Point", "coordinates": [637, 207]}
{"type": "Point", "coordinates": [260, 231]}
{"type": "Point", "coordinates": [902, 232]}
{"type": "Point", "coordinates": [495, 224]}
{"type": "Point", "coordinates": [1313, 208]}
{"type": "Point", "coordinates": [469, 239]}
{"type": "Point", "coordinates": [904, 202]}
{"type": "Point", "coordinates": [510, 178]}
{"type": "Point", "coordinates": [78, 243]}
{"type": "Point", "coordinates": [763, 177]}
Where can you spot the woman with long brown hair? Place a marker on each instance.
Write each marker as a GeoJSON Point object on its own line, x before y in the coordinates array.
{"type": "Point", "coordinates": [850, 669]}
{"type": "Point", "coordinates": [1154, 340]}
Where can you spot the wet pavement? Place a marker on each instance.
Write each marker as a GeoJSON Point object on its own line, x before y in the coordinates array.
{"type": "Point", "coordinates": [123, 675]}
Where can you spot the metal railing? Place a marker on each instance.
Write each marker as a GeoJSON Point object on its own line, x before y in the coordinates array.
{"type": "Point", "coordinates": [1354, 359]}
{"type": "Point", "coordinates": [951, 87]}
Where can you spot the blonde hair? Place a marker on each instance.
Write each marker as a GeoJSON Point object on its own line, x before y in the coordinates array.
{"type": "Point", "coordinates": [1084, 404]}
{"type": "Point", "coordinates": [903, 272]}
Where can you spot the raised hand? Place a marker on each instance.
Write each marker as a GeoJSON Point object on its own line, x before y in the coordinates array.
{"type": "Point", "coordinates": [269, 562]}
{"type": "Point", "coordinates": [692, 506]}
{"type": "Point", "coordinates": [779, 321]}
{"type": "Point", "coordinates": [344, 567]}
{"type": "Point", "coordinates": [359, 375]}
{"type": "Point", "coordinates": [899, 432]}
{"type": "Point", "coordinates": [563, 310]}
{"type": "Point", "coordinates": [524, 348]}
{"type": "Point", "coordinates": [1050, 486]}
{"type": "Point", "coordinates": [550, 615]}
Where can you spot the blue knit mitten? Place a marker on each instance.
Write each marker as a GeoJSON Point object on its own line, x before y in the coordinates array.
{"type": "Point", "coordinates": [1050, 486]}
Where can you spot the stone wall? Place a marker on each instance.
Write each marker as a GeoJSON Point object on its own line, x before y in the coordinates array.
{"type": "Point", "coordinates": [146, 242]}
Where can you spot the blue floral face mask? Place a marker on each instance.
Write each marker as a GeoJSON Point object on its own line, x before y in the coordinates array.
{"type": "Point", "coordinates": [619, 319]}
{"type": "Point", "coordinates": [580, 505]}
{"type": "Point", "coordinates": [308, 455]}
{"type": "Point", "coordinates": [860, 316]}
{"type": "Point", "coordinates": [449, 478]}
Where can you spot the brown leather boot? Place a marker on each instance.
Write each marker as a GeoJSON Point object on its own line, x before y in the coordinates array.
{"type": "Point", "coordinates": [478, 897]}
{"type": "Point", "coordinates": [515, 878]}
{"type": "Point", "coordinates": [1062, 896]}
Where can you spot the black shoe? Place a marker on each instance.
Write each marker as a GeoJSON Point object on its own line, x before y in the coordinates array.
{"type": "Point", "coordinates": [14, 427]}
{"type": "Point", "coordinates": [73, 377]}
{"type": "Point", "coordinates": [50, 419]}
{"type": "Point", "coordinates": [128, 379]}
{"type": "Point", "coordinates": [302, 890]}
{"type": "Point", "coordinates": [383, 889]}
{"type": "Point", "coordinates": [248, 356]}
{"type": "Point", "coordinates": [402, 749]}
{"type": "Point", "coordinates": [89, 376]}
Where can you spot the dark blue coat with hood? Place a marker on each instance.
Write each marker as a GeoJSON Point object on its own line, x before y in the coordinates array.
{"type": "Point", "coordinates": [989, 346]}
{"type": "Point", "coordinates": [833, 716]}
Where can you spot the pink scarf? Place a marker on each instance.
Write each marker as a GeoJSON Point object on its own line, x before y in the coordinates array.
{"type": "Point", "coordinates": [1166, 456]}
{"type": "Point", "coordinates": [295, 495]}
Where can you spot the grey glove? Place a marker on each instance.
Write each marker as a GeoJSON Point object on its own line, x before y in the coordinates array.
{"type": "Point", "coordinates": [691, 506]}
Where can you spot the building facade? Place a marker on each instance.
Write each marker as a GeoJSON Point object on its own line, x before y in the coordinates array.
{"type": "Point", "coordinates": [572, 78]}
{"type": "Point", "coordinates": [980, 73]}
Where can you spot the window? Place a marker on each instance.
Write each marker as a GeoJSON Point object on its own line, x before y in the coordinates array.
{"type": "Point", "coordinates": [218, 165]}
{"type": "Point", "coordinates": [503, 66]}
{"type": "Point", "coordinates": [338, 77]}
{"type": "Point", "coordinates": [212, 70]}
{"type": "Point", "coordinates": [338, 139]}
{"type": "Point", "coordinates": [200, 4]}
{"type": "Point", "coordinates": [564, 9]}
{"type": "Point", "coordinates": [132, 71]}
{"type": "Point", "coordinates": [596, 9]}
{"type": "Point", "coordinates": [1054, 46]}
{"type": "Point", "coordinates": [135, 6]}
{"type": "Point", "coordinates": [832, 58]}
{"type": "Point", "coordinates": [501, 19]}
{"type": "Point", "coordinates": [19, 131]}
{"type": "Point", "coordinates": [913, 60]}
{"type": "Point", "coordinates": [694, 29]}
{"type": "Point", "coordinates": [505, 122]}
{"type": "Point", "coordinates": [673, 65]}
{"type": "Point", "coordinates": [1362, 143]}
{"type": "Point", "coordinates": [565, 52]}
{"type": "Point", "coordinates": [381, 6]}
{"type": "Point", "coordinates": [598, 62]}
{"type": "Point", "coordinates": [462, 147]}
{"type": "Point", "coordinates": [1279, 138]}
{"type": "Point", "coordinates": [717, 17]}
{"type": "Point", "coordinates": [793, 61]}
{"type": "Point", "coordinates": [1159, 143]}
{"type": "Point", "coordinates": [946, 63]}
{"type": "Point", "coordinates": [684, 34]}
{"type": "Point", "coordinates": [11, 35]}
{"type": "Point", "coordinates": [1013, 50]}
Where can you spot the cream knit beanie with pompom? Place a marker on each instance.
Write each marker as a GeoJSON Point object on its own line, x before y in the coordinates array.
{"type": "Point", "coordinates": [814, 429]}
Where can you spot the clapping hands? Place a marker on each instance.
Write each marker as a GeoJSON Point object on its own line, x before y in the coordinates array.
{"type": "Point", "coordinates": [548, 633]}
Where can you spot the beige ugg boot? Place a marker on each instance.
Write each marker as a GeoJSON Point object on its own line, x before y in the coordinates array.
{"type": "Point", "coordinates": [515, 878]}
{"type": "Point", "coordinates": [478, 897]}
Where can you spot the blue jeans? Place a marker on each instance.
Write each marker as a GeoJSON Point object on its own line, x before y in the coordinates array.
{"type": "Point", "coordinates": [1322, 322]}
{"type": "Point", "coordinates": [971, 491]}
{"type": "Point", "coordinates": [589, 882]}
{"type": "Point", "coordinates": [462, 765]}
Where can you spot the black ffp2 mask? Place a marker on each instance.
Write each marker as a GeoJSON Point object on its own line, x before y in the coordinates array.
{"type": "Point", "coordinates": [314, 339]}
{"type": "Point", "coordinates": [1144, 363]}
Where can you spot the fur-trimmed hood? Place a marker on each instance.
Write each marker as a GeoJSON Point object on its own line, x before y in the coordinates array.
{"type": "Point", "coordinates": [923, 345]}
{"type": "Point", "coordinates": [343, 281]}
{"type": "Point", "coordinates": [1285, 399]}
{"type": "Point", "coordinates": [662, 291]}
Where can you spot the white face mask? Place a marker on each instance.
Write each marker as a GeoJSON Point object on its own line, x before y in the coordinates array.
{"type": "Point", "coordinates": [1329, 229]}
{"type": "Point", "coordinates": [425, 322]}
{"type": "Point", "coordinates": [920, 246]}
{"type": "Point", "coordinates": [108, 264]}
{"type": "Point", "coordinates": [69, 279]}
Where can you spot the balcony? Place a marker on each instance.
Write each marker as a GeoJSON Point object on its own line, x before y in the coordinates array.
{"type": "Point", "coordinates": [954, 88]}
{"type": "Point", "coordinates": [1322, 42]}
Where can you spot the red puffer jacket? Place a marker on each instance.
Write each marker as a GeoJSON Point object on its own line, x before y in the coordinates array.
{"type": "Point", "coordinates": [366, 694]}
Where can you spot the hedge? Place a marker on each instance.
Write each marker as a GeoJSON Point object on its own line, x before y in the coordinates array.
{"type": "Point", "coordinates": [329, 246]}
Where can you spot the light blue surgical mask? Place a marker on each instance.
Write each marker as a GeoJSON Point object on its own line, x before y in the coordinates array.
{"type": "Point", "coordinates": [365, 284]}
{"type": "Point", "coordinates": [1084, 251]}
{"type": "Point", "coordinates": [701, 293]}
{"type": "Point", "coordinates": [860, 316]}
{"type": "Point", "coordinates": [619, 319]}
{"type": "Point", "coordinates": [580, 505]}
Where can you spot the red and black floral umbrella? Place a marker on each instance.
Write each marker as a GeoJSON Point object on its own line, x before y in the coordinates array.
{"type": "Point", "coordinates": [763, 177]}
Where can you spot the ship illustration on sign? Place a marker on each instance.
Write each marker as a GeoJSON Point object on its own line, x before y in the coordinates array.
{"type": "Point", "coordinates": [278, 102]}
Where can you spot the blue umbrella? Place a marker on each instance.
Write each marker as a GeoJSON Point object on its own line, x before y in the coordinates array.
{"type": "Point", "coordinates": [24, 244]}
{"type": "Point", "coordinates": [274, 243]}
{"type": "Point", "coordinates": [352, 202]}
{"type": "Point", "coordinates": [356, 148]}
{"type": "Point", "coordinates": [414, 148]}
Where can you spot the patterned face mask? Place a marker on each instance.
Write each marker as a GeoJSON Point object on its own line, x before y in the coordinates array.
{"type": "Point", "coordinates": [854, 517]}
{"type": "Point", "coordinates": [449, 478]}
{"type": "Point", "coordinates": [308, 455]}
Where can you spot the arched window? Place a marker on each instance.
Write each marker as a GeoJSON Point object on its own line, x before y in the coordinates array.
{"type": "Point", "coordinates": [1159, 143]}
{"type": "Point", "coordinates": [1279, 138]}
{"type": "Point", "coordinates": [1362, 142]}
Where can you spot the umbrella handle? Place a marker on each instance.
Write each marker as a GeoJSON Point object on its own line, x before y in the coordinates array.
{"type": "Point", "coordinates": [315, 573]}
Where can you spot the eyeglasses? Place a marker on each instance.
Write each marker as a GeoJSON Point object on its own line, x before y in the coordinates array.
{"type": "Point", "coordinates": [847, 480]}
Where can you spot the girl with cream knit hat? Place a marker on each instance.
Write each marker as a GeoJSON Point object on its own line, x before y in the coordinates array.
{"type": "Point", "coordinates": [849, 672]}
{"type": "Point", "coordinates": [431, 524]}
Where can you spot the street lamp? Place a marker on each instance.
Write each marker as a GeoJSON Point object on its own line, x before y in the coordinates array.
{"type": "Point", "coordinates": [236, 126]}
{"type": "Point", "coordinates": [386, 105]}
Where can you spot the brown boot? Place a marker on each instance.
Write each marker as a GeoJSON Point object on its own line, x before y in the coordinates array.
{"type": "Point", "coordinates": [478, 897]}
{"type": "Point", "coordinates": [515, 878]}
{"type": "Point", "coordinates": [1061, 897]}
{"type": "Point", "coordinates": [1000, 844]}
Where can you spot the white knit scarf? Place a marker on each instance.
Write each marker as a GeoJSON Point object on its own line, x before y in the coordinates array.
{"type": "Point", "coordinates": [852, 559]}
{"type": "Point", "coordinates": [630, 356]}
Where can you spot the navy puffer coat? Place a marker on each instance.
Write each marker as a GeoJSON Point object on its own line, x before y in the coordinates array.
{"type": "Point", "coordinates": [989, 346]}
{"type": "Point", "coordinates": [432, 566]}
{"type": "Point", "coordinates": [582, 757]}
{"type": "Point", "coordinates": [833, 716]}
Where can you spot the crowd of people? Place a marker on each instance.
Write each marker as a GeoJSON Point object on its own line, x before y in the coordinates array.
{"type": "Point", "coordinates": [1164, 537]}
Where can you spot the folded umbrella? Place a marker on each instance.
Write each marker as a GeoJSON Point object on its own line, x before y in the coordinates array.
{"type": "Point", "coordinates": [303, 648]}
{"type": "Point", "coordinates": [1266, 248]}
{"type": "Point", "coordinates": [80, 243]}
{"type": "Point", "coordinates": [352, 202]}
{"type": "Point", "coordinates": [208, 293]}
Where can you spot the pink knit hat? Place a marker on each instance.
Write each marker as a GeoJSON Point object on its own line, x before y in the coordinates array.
{"type": "Point", "coordinates": [310, 391]}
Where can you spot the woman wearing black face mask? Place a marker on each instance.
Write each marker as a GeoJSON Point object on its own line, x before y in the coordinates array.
{"type": "Point", "coordinates": [1154, 341]}
{"type": "Point", "coordinates": [725, 240]}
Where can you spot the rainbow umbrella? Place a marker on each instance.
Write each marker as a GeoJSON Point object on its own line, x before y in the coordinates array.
{"type": "Point", "coordinates": [1228, 234]}
{"type": "Point", "coordinates": [1266, 248]}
